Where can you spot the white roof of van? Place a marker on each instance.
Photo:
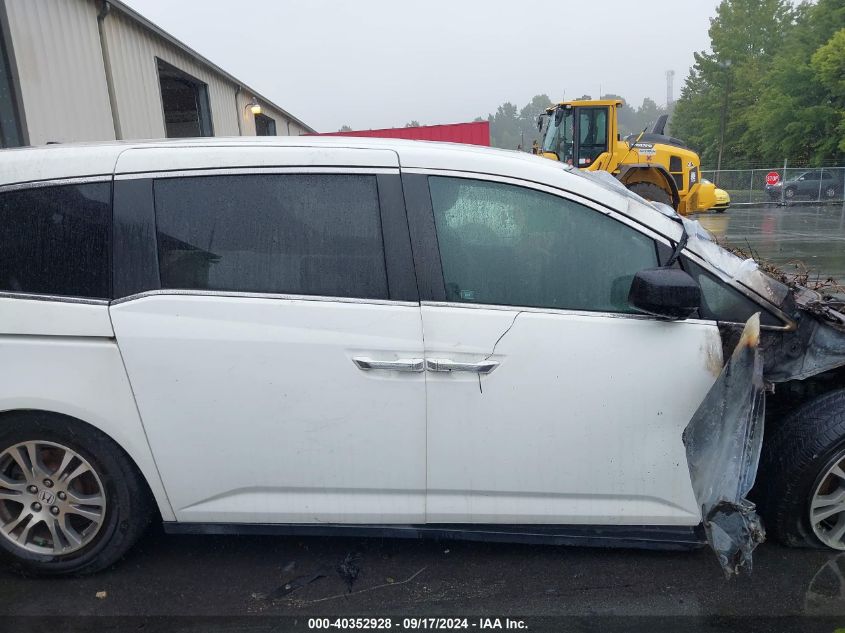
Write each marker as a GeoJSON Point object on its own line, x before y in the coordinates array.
{"type": "Point", "coordinates": [76, 160]}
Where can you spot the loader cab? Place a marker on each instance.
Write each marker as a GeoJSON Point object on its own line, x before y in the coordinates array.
{"type": "Point", "coordinates": [578, 134]}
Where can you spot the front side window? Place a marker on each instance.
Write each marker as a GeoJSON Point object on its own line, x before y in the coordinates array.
{"type": "Point", "coordinates": [720, 302]}
{"type": "Point", "coordinates": [56, 240]}
{"type": "Point", "coordinates": [507, 245]}
{"type": "Point", "coordinates": [559, 138]}
{"type": "Point", "coordinates": [310, 234]}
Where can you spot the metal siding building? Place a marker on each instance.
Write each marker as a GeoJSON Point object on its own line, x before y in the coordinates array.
{"type": "Point", "coordinates": [88, 70]}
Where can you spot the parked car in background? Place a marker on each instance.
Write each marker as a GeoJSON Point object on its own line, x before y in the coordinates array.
{"type": "Point", "coordinates": [228, 334]}
{"type": "Point", "coordinates": [814, 184]}
{"type": "Point", "coordinates": [723, 199]}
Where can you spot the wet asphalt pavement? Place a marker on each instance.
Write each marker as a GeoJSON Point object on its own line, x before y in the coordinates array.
{"type": "Point", "coordinates": [240, 576]}
{"type": "Point", "coordinates": [249, 577]}
{"type": "Point", "coordinates": [807, 235]}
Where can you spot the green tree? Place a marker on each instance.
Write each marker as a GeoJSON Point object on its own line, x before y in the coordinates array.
{"type": "Point", "coordinates": [800, 113]}
{"type": "Point", "coordinates": [725, 84]}
{"type": "Point", "coordinates": [413, 124]}
{"type": "Point", "coordinates": [345, 128]}
{"type": "Point", "coordinates": [828, 64]}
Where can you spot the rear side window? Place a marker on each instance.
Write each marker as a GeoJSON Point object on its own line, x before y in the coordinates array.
{"type": "Point", "coordinates": [310, 234]}
{"type": "Point", "coordinates": [56, 240]}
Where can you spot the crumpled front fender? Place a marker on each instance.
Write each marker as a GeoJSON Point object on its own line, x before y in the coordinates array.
{"type": "Point", "coordinates": [723, 441]}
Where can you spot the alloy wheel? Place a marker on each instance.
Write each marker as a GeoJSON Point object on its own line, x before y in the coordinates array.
{"type": "Point", "coordinates": [827, 505]}
{"type": "Point", "coordinates": [52, 500]}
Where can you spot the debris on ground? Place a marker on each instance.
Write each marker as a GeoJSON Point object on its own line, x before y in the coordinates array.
{"type": "Point", "coordinates": [348, 569]}
{"type": "Point", "coordinates": [290, 586]}
{"type": "Point", "coordinates": [365, 590]}
{"type": "Point", "coordinates": [101, 595]}
{"type": "Point", "coordinates": [794, 273]}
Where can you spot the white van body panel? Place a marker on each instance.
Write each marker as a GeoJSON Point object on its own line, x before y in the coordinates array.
{"type": "Point", "coordinates": [256, 412]}
{"type": "Point", "coordinates": [61, 357]}
{"type": "Point", "coordinates": [39, 317]}
{"type": "Point", "coordinates": [580, 423]}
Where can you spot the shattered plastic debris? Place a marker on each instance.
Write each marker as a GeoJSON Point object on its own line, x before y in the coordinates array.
{"type": "Point", "coordinates": [723, 442]}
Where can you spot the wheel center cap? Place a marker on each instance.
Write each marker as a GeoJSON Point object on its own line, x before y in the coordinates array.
{"type": "Point", "coordinates": [47, 497]}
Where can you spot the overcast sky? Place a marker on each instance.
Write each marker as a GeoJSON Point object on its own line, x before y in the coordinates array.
{"type": "Point", "coordinates": [382, 63]}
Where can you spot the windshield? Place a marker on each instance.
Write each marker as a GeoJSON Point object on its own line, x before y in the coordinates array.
{"type": "Point", "coordinates": [558, 138]}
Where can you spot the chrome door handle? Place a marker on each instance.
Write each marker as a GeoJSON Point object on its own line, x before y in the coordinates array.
{"type": "Point", "coordinates": [444, 364]}
{"type": "Point", "coordinates": [403, 364]}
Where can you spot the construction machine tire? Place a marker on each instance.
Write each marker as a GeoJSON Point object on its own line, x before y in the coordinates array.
{"type": "Point", "coordinates": [652, 192]}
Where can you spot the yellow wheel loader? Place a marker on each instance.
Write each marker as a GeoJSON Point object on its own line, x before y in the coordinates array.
{"type": "Point", "coordinates": [585, 134]}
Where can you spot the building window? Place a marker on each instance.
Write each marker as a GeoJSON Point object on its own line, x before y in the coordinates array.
{"type": "Point", "coordinates": [10, 126]}
{"type": "Point", "coordinates": [185, 103]}
{"type": "Point", "coordinates": [264, 125]}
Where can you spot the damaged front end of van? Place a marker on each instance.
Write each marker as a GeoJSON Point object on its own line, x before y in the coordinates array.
{"type": "Point", "coordinates": [724, 438]}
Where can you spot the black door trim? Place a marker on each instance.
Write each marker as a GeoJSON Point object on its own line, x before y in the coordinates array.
{"type": "Point", "coordinates": [663, 537]}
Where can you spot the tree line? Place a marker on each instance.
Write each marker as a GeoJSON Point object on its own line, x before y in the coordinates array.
{"type": "Point", "coordinates": [512, 127]}
{"type": "Point", "coordinates": [772, 87]}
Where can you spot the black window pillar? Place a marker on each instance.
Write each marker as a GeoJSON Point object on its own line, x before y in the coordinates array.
{"type": "Point", "coordinates": [12, 131]}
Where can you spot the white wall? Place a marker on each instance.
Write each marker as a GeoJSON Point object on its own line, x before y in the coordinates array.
{"type": "Point", "coordinates": [63, 81]}
{"type": "Point", "coordinates": [133, 51]}
{"type": "Point", "coordinates": [60, 65]}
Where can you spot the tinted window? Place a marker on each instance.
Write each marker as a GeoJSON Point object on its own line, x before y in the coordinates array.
{"type": "Point", "coordinates": [294, 234]}
{"type": "Point", "coordinates": [720, 302]}
{"type": "Point", "coordinates": [55, 240]}
{"type": "Point", "coordinates": [507, 245]}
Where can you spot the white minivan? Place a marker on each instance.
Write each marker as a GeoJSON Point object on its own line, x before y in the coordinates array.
{"type": "Point", "coordinates": [319, 335]}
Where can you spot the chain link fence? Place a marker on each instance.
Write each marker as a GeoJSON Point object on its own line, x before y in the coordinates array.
{"type": "Point", "coordinates": [782, 185]}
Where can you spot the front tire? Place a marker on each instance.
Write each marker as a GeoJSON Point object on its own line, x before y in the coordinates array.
{"type": "Point", "coordinates": [652, 192]}
{"type": "Point", "coordinates": [802, 475]}
{"type": "Point", "coordinates": [71, 500]}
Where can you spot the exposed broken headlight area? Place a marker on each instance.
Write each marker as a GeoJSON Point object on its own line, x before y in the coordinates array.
{"type": "Point", "coordinates": [724, 438]}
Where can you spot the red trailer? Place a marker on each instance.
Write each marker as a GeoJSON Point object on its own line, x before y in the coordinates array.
{"type": "Point", "coordinates": [475, 133]}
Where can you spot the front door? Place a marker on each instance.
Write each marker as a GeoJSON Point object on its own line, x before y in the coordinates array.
{"type": "Point", "coordinates": [278, 376]}
{"type": "Point", "coordinates": [549, 400]}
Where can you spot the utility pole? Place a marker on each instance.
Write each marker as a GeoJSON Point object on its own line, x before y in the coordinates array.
{"type": "Point", "coordinates": [726, 66]}
{"type": "Point", "coordinates": [670, 87]}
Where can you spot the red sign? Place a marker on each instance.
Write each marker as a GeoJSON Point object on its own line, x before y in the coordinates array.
{"type": "Point", "coordinates": [772, 178]}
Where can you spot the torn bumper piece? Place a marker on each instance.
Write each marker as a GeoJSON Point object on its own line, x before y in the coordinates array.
{"type": "Point", "coordinates": [723, 442]}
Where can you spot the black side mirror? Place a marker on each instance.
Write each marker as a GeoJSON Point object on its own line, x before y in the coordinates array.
{"type": "Point", "coordinates": [670, 293]}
